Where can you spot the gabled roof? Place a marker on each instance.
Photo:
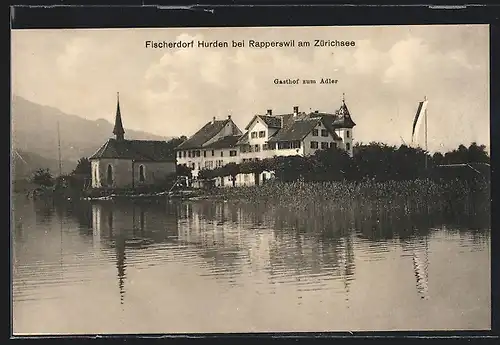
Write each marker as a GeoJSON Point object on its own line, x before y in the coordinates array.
{"type": "Point", "coordinates": [224, 142]}
{"type": "Point", "coordinates": [297, 130]}
{"type": "Point", "coordinates": [269, 120]}
{"type": "Point", "coordinates": [207, 132]}
{"type": "Point", "coordinates": [141, 150]}
{"type": "Point", "coordinates": [243, 140]}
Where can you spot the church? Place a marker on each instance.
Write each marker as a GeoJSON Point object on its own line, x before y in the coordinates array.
{"type": "Point", "coordinates": [122, 163]}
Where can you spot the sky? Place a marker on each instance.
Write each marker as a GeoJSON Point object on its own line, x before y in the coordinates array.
{"type": "Point", "coordinates": [173, 92]}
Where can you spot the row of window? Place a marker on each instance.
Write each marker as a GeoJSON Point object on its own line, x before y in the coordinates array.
{"type": "Point", "coordinates": [324, 133]}
{"type": "Point", "coordinates": [271, 146]}
{"type": "Point", "coordinates": [109, 174]}
{"type": "Point", "coordinates": [285, 145]}
{"type": "Point", "coordinates": [325, 145]}
{"type": "Point", "coordinates": [250, 160]}
{"type": "Point", "coordinates": [260, 134]}
{"type": "Point", "coordinates": [197, 153]}
{"type": "Point", "coordinates": [208, 164]}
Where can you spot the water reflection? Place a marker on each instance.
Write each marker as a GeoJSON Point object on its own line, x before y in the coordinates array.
{"type": "Point", "coordinates": [233, 239]}
{"type": "Point", "coordinates": [298, 257]}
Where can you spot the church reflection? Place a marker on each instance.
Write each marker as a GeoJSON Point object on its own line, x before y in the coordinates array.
{"type": "Point", "coordinates": [127, 227]}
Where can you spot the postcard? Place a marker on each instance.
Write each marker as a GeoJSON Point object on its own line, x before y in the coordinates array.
{"type": "Point", "coordinates": [250, 179]}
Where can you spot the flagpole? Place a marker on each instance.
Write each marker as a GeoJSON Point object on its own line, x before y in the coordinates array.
{"type": "Point", "coordinates": [425, 124]}
{"type": "Point", "coordinates": [59, 148]}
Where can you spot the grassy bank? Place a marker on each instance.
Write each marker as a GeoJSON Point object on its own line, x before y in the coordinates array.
{"type": "Point", "coordinates": [410, 195]}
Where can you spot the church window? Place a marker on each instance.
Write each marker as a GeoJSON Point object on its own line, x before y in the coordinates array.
{"type": "Point", "coordinates": [348, 146]}
{"type": "Point", "coordinates": [347, 134]}
{"type": "Point", "coordinates": [109, 174]}
{"type": "Point", "coordinates": [142, 175]}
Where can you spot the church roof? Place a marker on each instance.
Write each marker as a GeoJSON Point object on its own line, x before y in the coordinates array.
{"type": "Point", "coordinates": [139, 150]}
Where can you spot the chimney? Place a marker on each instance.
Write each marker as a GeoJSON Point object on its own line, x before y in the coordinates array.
{"type": "Point", "coordinates": [213, 120]}
{"type": "Point", "coordinates": [316, 111]}
{"type": "Point", "coordinates": [295, 110]}
{"type": "Point", "coordinates": [229, 117]}
{"type": "Point", "coordinates": [269, 111]}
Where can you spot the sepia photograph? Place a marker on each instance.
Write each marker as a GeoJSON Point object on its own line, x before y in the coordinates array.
{"type": "Point", "coordinates": [250, 179]}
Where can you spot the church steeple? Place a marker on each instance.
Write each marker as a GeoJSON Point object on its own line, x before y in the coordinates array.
{"type": "Point", "coordinates": [118, 131]}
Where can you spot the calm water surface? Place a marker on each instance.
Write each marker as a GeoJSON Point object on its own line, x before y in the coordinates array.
{"type": "Point", "coordinates": [124, 267]}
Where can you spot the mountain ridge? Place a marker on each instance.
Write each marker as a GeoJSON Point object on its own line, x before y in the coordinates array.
{"type": "Point", "coordinates": [34, 130]}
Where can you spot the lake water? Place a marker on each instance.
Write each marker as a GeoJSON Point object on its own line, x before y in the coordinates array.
{"type": "Point", "coordinates": [124, 267]}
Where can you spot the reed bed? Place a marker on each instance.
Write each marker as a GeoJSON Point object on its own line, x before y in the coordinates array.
{"type": "Point", "coordinates": [409, 196]}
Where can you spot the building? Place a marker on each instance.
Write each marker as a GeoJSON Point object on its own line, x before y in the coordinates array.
{"type": "Point", "coordinates": [213, 146]}
{"type": "Point", "coordinates": [121, 163]}
{"type": "Point", "coordinates": [267, 135]}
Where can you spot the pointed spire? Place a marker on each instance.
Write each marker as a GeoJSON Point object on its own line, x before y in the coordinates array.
{"type": "Point", "coordinates": [118, 131]}
{"type": "Point", "coordinates": [343, 111]}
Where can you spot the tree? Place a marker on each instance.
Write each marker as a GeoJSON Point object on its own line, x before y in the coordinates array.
{"type": "Point", "coordinates": [83, 167]}
{"type": "Point", "coordinates": [206, 174]}
{"type": "Point", "coordinates": [232, 169]}
{"type": "Point", "coordinates": [183, 170]}
{"type": "Point", "coordinates": [437, 158]}
{"type": "Point", "coordinates": [477, 154]}
{"type": "Point", "coordinates": [253, 167]}
{"type": "Point", "coordinates": [331, 164]}
{"type": "Point", "coordinates": [43, 177]}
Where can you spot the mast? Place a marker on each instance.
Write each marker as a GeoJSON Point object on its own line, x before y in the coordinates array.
{"type": "Point", "coordinates": [59, 148]}
{"type": "Point", "coordinates": [425, 125]}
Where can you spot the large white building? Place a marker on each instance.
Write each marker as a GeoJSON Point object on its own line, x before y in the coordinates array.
{"type": "Point", "coordinates": [220, 142]}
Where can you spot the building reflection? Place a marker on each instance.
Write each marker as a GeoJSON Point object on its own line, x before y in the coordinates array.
{"type": "Point", "coordinates": [234, 240]}
{"type": "Point", "coordinates": [214, 230]}
{"type": "Point", "coordinates": [311, 244]}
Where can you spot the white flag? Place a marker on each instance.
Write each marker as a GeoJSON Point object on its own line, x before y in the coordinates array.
{"type": "Point", "coordinates": [417, 121]}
